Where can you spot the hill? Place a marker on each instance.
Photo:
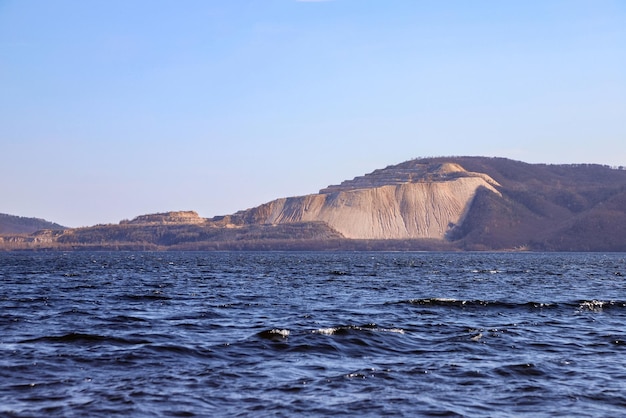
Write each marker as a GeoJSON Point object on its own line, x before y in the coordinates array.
{"type": "Point", "coordinates": [422, 200]}
{"type": "Point", "coordinates": [444, 203]}
{"type": "Point", "coordinates": [10, 224]}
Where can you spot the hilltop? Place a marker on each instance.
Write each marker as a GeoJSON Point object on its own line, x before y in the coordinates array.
{"type": "Point", "coordinates": [443, 203]}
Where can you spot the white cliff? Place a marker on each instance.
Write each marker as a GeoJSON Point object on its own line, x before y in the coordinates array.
{"type": "Point", "coordinates": [419, 201]}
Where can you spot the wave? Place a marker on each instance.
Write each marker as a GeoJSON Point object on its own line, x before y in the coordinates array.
{"type": "Point", "coordinates": [599, 305]}
{"type": "Point", "coordinates": [149, 296]}
{"type": "Point", "coordinates": [581, 305]}
{"type": "Point", "coordinates": [462, 303]}
{"type": "Point", "coordinates": [352, 340]}
{"type": "Point", "coordinates": [179, 350]}
{"type": "Point", "coordinates": [277, 334]}
{"type": "Point", "coordinates": [82, 338]}
{"type": "Point", "coordinates": [274, 334]}
{"type": "Point", "coordinates": [347, 329]}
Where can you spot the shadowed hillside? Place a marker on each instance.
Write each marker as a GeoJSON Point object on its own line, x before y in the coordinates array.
{"type": "Point", "coordinates": [10, 224]}
{"type": "Point", "coordinates": [574, 207]}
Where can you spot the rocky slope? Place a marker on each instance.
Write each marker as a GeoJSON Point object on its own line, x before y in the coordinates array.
{"type": "Point", "coordinates": [425, 200]}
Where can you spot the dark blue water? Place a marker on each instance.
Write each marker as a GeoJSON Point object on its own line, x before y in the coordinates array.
{"type": "Point", "coordinates": [314, 334]}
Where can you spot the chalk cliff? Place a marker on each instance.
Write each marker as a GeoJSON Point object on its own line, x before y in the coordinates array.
{"type": "Point", "coordinates": [414, 200]}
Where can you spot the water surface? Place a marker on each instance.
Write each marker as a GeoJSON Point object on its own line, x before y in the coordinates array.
{"type": "Point", "coordinates": [312, 333]}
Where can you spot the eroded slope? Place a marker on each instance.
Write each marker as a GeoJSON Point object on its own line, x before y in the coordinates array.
{"type": "Point", "coordinates": [424, 201]}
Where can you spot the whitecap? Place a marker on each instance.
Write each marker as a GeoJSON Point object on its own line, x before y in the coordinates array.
{"type": "Point", "coordinates": [591, 305]}
{"type": "Point", "coordinates": [333, 331]}
{"type": "Point", "coordinates": [325, 331]}
{"type": "Point", "coordinates": [282, 332]}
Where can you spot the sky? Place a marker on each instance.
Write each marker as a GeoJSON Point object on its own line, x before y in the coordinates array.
{"type": "Point", "coordinates": [111, 109]}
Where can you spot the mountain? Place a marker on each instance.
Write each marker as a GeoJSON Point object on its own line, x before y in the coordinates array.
{"type": "Point", "coordinates": [443, 203]}
{"type": "Point", "coordinates": [10, 224]}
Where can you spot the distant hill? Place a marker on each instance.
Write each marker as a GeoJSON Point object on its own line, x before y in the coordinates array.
{"type": "Point", "coordinates": [443, 204]}
{"type": "Point", "coordinates": [10, 224]}
{"type": "Point", "coordinates": [469, 203]}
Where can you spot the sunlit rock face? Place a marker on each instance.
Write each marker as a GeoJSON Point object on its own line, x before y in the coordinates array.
{"type": "Point", "coordinates": [178, 217]}
{"type": "Point", "coordinates": [411, 200]}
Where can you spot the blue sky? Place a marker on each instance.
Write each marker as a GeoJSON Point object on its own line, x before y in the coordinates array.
{"type": "Point", "coordinates": [116, 108]}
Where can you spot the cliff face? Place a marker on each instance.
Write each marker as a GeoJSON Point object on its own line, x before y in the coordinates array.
{"type": "Point", "coordinates": [179, 217]}
{"type": "Point", "coordinates": [422, 201]}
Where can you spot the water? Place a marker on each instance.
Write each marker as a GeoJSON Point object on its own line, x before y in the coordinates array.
{"type": "Point", "coordinates": [313, 334]}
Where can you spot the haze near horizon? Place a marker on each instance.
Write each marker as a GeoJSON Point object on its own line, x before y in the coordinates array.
{"type": "Point", "coordinates": [114, 109]}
